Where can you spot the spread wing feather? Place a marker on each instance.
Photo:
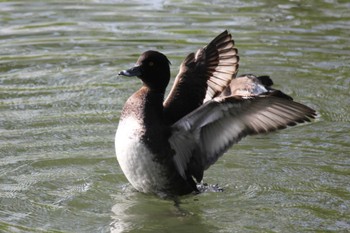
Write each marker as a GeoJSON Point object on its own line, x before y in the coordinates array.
{"type": "Point", "coordinates": [209, 131]}
{"type": "Point", "coordinates": [206, 73]}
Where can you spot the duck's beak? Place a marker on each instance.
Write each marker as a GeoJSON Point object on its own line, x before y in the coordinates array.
{"type": "Point", "coordinates": [134, 71]}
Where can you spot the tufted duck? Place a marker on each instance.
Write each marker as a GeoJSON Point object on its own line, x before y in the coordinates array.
{"type": "Point", "coordinates": [164, 146]}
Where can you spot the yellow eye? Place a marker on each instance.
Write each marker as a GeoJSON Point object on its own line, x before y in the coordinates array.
{"type": "Point", "coordinates": [151, 63]}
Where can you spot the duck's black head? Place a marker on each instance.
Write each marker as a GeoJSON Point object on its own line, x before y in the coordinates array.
{"type": "Point", "coordinates": [152, 68]}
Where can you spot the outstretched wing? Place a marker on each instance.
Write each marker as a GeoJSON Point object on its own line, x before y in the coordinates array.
{"type": "Point", "coordinates": [202, 136]}
{"type": "Point", "coordinates": [203, 75]}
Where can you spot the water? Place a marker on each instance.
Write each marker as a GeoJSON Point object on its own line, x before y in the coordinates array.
{"type": "Point", "coordinates": [60, 101]}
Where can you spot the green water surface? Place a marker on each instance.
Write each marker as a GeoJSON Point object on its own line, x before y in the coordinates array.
{"type": "Point", "coordinates": [60, 101]}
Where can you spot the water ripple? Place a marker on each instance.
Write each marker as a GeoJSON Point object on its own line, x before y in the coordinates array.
{"type": "Point", "coordinates": [60, 100]}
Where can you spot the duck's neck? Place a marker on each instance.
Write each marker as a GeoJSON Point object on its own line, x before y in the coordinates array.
{"type": "Point", "coordinates": [146, 105]}
{"type": "Point", "coordinates": [152, 101]}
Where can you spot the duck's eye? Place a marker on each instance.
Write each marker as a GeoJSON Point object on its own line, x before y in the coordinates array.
{"type": "Point", "coordinates": [151, 63]}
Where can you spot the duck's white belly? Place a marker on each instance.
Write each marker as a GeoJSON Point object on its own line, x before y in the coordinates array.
{"type": "Point", "coordinates": [136, 160]}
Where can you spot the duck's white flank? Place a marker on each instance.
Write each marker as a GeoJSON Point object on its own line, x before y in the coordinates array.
{"type": "Point", "coordinates": [135, 159]}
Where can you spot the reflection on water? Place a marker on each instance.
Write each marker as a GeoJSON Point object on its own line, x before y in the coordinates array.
{"type": "Point", "coordinates": [160, 216]}
{"type": "Point", "coordinates": [60, 100]}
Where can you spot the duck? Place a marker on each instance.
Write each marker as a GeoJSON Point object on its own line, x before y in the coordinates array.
{"type": "Point", "coordinates": [164, 145]}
